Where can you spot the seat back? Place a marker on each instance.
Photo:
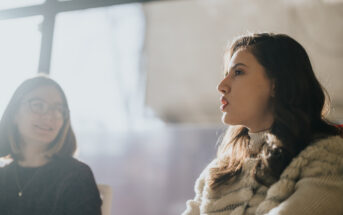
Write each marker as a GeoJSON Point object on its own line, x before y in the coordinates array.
{"type": "Point", "coordinates": [106, 196]}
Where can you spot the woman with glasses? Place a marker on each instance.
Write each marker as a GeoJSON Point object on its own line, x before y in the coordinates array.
{"type": "Point", "coordinates": [280, 156]}
{"type": "Point", "coordinates": [43, 177]}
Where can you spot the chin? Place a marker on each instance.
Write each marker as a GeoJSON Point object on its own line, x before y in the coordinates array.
{"type": "Point", "coordinates": [45, 140]}
{"type": "Point", "coordinates": [229, 120]}
{"type": "Point", "coordinates": [226, 119]}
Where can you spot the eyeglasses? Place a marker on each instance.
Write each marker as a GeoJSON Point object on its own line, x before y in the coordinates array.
{"type": "Point", "coordinates": [41, 107]}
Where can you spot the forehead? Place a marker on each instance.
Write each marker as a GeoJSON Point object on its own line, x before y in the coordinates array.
{"type": "Point", "coordinates": [243, 56]}
{"type": "Point", "coordinates": [46, 93]}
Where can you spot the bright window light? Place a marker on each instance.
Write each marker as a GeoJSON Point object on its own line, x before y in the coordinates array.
{"type": "Point", "coordinates": [96, 58]}
{"type": "Point", "coordinates": [20, 41]}
{"type": "Point", "coordinates": [8, 4]}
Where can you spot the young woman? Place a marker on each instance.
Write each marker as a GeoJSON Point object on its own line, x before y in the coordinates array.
{"type": "Point", "coordinates": [279, 155]}
{"type": "Point", "coordinates": [43, 177]}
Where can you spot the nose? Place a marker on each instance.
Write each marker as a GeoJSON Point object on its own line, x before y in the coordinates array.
{"type": "Point", "coordinates": [52, 114]}
{"type": "Point", "coordinates": [224, 87]}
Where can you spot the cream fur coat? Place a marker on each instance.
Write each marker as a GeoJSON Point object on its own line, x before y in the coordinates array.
{"type": "Point", "coordinates": [311, 184]}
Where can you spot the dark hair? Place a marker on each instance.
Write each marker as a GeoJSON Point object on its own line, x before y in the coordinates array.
{"type": "Point", "coordinates": [299, 103]}
{"type": "Point", "coordinates": [64, 143]}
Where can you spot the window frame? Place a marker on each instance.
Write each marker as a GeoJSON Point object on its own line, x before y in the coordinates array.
{"type": "Point", "coordinates": [49, 9]}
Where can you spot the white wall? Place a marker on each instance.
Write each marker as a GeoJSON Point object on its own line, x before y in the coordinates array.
{"type": "Point", "coordinates": [185, 42]}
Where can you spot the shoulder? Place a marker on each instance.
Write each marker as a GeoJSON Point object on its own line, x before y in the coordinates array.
{"type": "Point", "coordinates": [332, 143]}
{"type": "Point", "coordinates": [6, 165]}
{"type": "Point", "coordinates": [72, 166]}
{"type": "Point", "coordinates": [206, 171]}
{"type": "Point", "coordinates": [70, 162]}
{"type": "Point", "coordinates": [6, 168]}
{"type": "Point", "coordinates": [201, 181]}
{"type": "Point", "coordinates": [325, 156]}
{"type": "Point", "coordinates": [322, 157]}
{"type": "Point", "coordinates": [329, 149]}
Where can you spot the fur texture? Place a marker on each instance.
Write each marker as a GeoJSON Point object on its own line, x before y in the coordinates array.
{"type": "Point", "coordinates": [311, 184]}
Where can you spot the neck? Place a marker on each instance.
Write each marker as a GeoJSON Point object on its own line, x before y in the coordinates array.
{"type": "Point", "coordinates": [259, 131]}
{"type": "Point", "coordinates": [33, 155]}
{"type": "Point", "coordinates": [256, 140]}
{"type": "Point", "coordinates": [262, 124]}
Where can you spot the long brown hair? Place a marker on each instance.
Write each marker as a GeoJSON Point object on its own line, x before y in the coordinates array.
{"type": "Point", "coordinates": [64, 143]}
{"type": "Point", "coordinates": [299, 104]}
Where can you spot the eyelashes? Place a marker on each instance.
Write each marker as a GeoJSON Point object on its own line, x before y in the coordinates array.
{"type": "Point", "coordinates": [235, 73]}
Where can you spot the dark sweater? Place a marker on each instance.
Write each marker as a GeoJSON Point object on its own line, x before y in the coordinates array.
{"type": "Point", "coordinates": [64, 186]}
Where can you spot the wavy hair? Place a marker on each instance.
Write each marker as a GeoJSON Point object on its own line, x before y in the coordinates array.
{"type": "Point", "coordinates": [299, 107]}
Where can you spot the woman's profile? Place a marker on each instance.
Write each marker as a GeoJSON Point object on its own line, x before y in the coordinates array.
{"type": "Point", "coordinates": [280, 155]}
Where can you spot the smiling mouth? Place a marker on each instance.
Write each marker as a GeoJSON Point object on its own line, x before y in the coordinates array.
{"type": "Point", "coordinates": [43, 128]}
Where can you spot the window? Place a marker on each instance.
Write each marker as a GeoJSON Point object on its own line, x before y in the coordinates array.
{"type": "Point", "coordinates": [19, 54]}
{"type": "Point", "coordinates": [8, 4]}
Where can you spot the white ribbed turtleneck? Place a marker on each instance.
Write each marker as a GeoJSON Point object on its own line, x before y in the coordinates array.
{"type": "Point", "coordinates": [256, 140]}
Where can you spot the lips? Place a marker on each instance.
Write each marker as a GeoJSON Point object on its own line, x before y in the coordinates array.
{"type": "Point", "coordinates": [44, 128]}
{"type": "Point", "coordinates": [224, 102]}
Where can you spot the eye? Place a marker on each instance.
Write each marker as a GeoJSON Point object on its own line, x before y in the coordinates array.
{"type": "Point", "coordinates": [38, 106]}
{"type": "Point", "coordinates": [238, 72]}
{"type": "Point", "coordinates": [226, 74]}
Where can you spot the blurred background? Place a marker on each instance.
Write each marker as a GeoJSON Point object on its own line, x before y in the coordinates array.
{"type": "Point", "coordinates": [141, 77]}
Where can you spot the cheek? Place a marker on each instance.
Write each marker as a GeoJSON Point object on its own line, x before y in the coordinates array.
{"type": "Point", "coordinates": [59, 126]}
{"type": "Point", "coordinates": [22, 122]}
{"type": "Point", "coordinates": [249, 101]}
{"type": "Point", "coordinates": [237, 110]}
{"type": "Point", "coordinates": [263, 96]}
{"type": "Point", "coordinates": [258, 105]}
{"type": "Point", "coordinates": [242, 98]}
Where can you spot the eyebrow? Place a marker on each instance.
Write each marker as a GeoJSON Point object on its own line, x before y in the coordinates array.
{"type": "Point", "coordinates": [238, 64]}
{"type": "Point", "coordinates": [41, 99]}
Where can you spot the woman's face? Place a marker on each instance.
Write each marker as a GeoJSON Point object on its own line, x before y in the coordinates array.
{"type": "Point", "coordinates": [246, 92]}
{"type": "Point", "coordinates": [40, 115]}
